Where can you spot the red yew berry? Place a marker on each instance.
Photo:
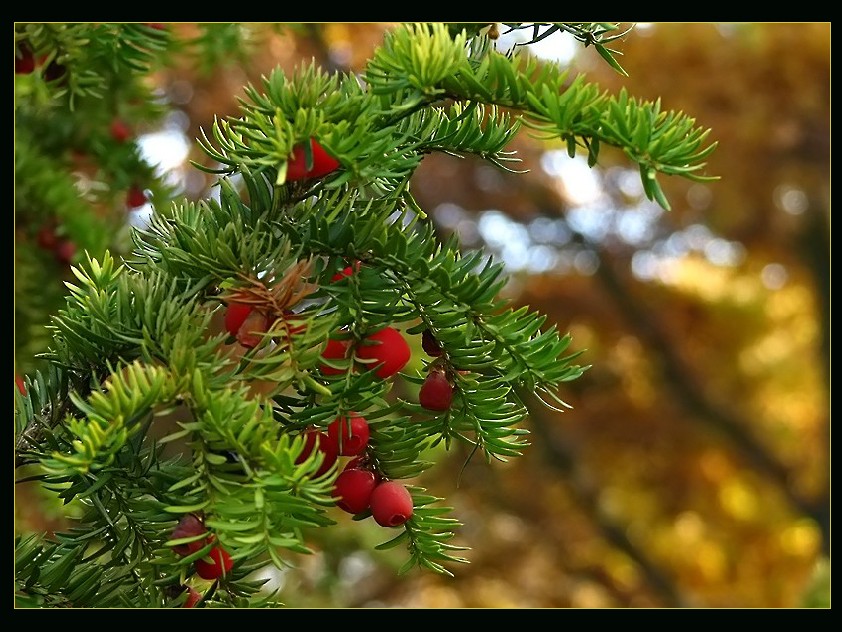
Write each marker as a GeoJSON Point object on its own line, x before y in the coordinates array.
{"type": "Point", "coordinates": [335, 350]}
{"type": "Point", "coordinates": [391, 504]}
{"type": "Point", "coordinates": [430, 344]}
{"type": "Point", "coordinates": [346, 272]}
{"type": "Point", "coordinates": [120, 132]}
{"type": "Point", "coordinates": [362, 462]}
{"type": "Point", "coordinates": [20, 384]}
{"type": "Point", "coordinates": [24, 59]}
{"type": "Point", "coordinates": [47, 237]}
{"type": "Point", "coordinates": [135, 197]}
{"type": "Point", "coordinates": [64, 251]}
{"type": "Point", "coordinates": [216, 564]}
{"type": "Point", "coordinates": [190, 526]}
{"type": "Point", "coordinates": [323, 162]}
{"type": "Point", "coordinates": [388, 350]}
{"type": "Point", "coordinates": [193, 598]}
{"type": "Point", "coordinates": [318, 440]}
{"type": "Point", "coordinates": [245, 323]}
{"type": "Point", "coordinates": [436, 392]}
{"type": "Point", "coordinates": [235, 316]}
{"type": "Point", "coordinates": [249, 334]}
{"type": "Point", "coordinates": [350, 434]}
{"type": "Point", "coordinates": [353, 489]}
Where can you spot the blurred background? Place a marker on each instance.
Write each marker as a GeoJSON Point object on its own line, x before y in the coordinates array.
{"type": "Point", "coordinates": [693, 467]}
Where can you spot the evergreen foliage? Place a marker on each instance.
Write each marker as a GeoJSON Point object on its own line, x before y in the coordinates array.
{"type": "Point", "coordinates": [134, 342]}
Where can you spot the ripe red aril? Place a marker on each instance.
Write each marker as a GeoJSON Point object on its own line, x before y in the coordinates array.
{"type": "Point", "coordinates": [253, 326]}
{"type": "Point", "coordinates": [317, 440]}
{"type": "Point", "coordinates": [47, 237]}
{"type": "Point", "coordinates": [235, 316]}
{"type": "Point", "coordinates": [335, 350]}
{"type": "Point", "coordinates": [353, 489]}
{"type": "Point", "coordinates": [346, 272]}
{"type": "Point", "coordinates": [436, 392]}
{"type": "Point", "coordinates": [216, 564]}
{"type": "Point", "coordinates": [120, 131]}
{"type": "Point", "coordinates": [190, 526]}
{"type": "Point", "coordinates": [387, 350]}
{"type": "Point", "coordinates": [193, 597]}
{"type": "Point", "coordinates": [349, 433]}
{"type": "Point", "coordinates": [391, 504]}
{"type": "Point", "coordinates": [323, 162]}
{"type": "Point", "coordinates": [20, 384]}
{"type": "Point", "coordinates": [135, 197]}
{"type": "Point", "coordinates": [64, 251]}
{"type": "Point", "coordinates": [24, 59]}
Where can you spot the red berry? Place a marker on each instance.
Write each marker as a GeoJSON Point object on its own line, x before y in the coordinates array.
{"type": "Point", "coordinates": [249, 334]}
{"type": "Point", "coordinates": [350, 435]}
{"type": "Point", "coordinates": [193, 597]}
{"type": "Point", "coordinates": [235, 316]}
{"type": "Point", "coordinates": [388, 349]}
{"type": "Point", "coordinates": [135, 197]}
{"type": "Point", "coordinates": [430, 344]}
{"type": "Point", "coordinates": [157, 25]}
{"type": "Point", "coordinates": [362, 462]}
{"type": "Point", "coordinates": [64, 251]}
{"type": "Point", "coordinates": [20, 383]}
{"type": "Point", "coordinates": [353, 488]}
{"type": "Point", "coordinates": [436, 392]}
{"type": "Point", "coordinates": [318, 440]}
{"type": "Point", "coordinates": [216, 564]}
{"type": "Point", "coordinates": [24, 59]}
{"type": "Point", "coordinates": [189, 526]}
{"type": "Point", "coordinates": [323, 162]}
{"type": "Point", "coordinates": [47, 237]}
{"type": "Point", "coordinates": [346, 272]}
{"type": "Point", "coordinates": [391, 504]}
{"type": "Point", "coordinates": [121, 133]}
{"type": "Point", "coordinates": [335, 350]}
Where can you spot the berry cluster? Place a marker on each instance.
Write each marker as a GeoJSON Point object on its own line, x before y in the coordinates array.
{"type": "Point", "coordinates": [26, 63]}
{"type": "Point", "coordinates": [360, 487]}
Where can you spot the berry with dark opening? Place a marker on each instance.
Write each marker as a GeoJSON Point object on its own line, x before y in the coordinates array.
{"type": "Point", "coordinates": [318, 440]}
{"type": "Point", "coordinates": [390, 504]}
{"type": "Point", "coordinates": [430, 344]}
{"type": "Point", "coordinates": [350, 434]}
{"type": "Point", "coordinates": [323, 162]}
{"type": "Point", "coordinates": [388, 351]}
{"type": "Point", "coordinates": [436, 392]}
{"type": "Point", "coordinates": [216, 564]}
{"type": "Point", "coordinates": [353, 489]}
{"type": "Point", "coordinates": [190, 526]}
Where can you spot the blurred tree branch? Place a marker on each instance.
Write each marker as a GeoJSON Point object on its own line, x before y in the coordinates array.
{"type": "Point", "coordinates": [678, 378]}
